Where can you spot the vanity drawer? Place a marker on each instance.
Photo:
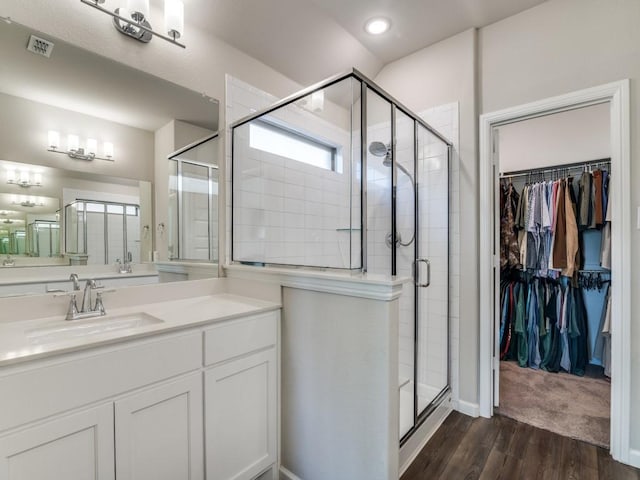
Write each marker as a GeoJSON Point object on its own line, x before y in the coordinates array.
{"type": "Point", "coordinates": [48, 387]}
{"type": "Point", "coordinates": [239, 337]}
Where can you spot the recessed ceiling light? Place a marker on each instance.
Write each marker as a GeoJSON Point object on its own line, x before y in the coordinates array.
{"type": "Point", "coordinates": [377, 26]}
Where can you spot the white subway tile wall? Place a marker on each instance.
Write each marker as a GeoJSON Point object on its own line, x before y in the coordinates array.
{"type": "Point", "coordinates": [289, 212]}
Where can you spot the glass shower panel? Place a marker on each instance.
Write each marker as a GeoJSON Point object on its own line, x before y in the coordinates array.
{"type": "Point", "coordinates": [132, 215]}
{"type": "Point", "coordinates": [72, 230]}
{"type": "Point", "coordinates": [95, 230]}
{"type": "Point", "coordinates": [405, 250]}
{"type": "Point", "coordinates": [433, 268]}
{"type": "Point", "coordinates": [194, 212]}
{"type": "Point", "coordinates": [193, 202]}
{"type": "Point", "coordinates": [172, 217]}
{"type": "Point", "coordinates": [115, 234]}
{"type": "Point", "coordinates": [294, 196]}
{"type": "Point", "coordinates": [379, 199]}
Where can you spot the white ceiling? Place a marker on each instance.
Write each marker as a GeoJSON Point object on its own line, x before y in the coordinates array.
{"type": "Point", "coordinates": [309, 40]}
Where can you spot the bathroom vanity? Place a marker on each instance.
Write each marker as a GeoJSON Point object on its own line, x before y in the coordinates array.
{"type": "Point", "coordinates": [173, 389]}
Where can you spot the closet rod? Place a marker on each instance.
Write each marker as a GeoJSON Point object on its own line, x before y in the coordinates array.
{"type": "Point", "coordinates": [566, 166]}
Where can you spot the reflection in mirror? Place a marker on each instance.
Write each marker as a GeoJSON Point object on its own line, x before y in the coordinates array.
{"type": "Point", "coordinates": [58, 209]}
{"type": "Point", "coordinates": [193, 202]}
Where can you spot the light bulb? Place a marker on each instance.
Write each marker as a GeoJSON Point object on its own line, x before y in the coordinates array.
{"type": "Point", "coordinates": [174, 18]}
{"type": "Point", "coordinates": [92, 146]}
{"type": "Point", "coordinates": [377, 26]}
{"type": "Point", "coordinates": [108, 149]}
{"type": "Point", "coordinates": [73, 142]}
{"type": "Point", "coordinates": [139, 9]}
{"type": "Point", "coordinates": [54, 139]}
{"type": "Point", "coordinates": [317, 101]}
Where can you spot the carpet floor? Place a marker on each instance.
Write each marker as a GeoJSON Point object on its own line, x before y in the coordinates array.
{"type": "Point", "coordinates": [576, 407]}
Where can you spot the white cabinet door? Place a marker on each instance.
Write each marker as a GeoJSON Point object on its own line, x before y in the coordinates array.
{"type": "Point", "coordinates": [77, 446]}
{"type": "Point", "coordinates": [159, 432]}
{"type": "Point", "coordinates": [240, 406]}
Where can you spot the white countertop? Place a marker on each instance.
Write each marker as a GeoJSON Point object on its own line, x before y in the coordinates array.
{"type": "Point", "coordinates": [16, 346]}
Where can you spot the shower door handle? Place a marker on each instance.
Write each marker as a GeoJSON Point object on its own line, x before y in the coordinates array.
{"type": "Point", "coordinates": [417, 263]}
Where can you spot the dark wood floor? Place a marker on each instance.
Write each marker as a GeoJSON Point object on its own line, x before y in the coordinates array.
{"type": "Point", "coordinates": [500, 448]}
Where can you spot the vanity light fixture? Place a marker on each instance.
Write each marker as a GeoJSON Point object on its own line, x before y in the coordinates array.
{"type": "Point", "coordinates": [132, 19]}
{"type": "Point", "coordinates": [317, 101]}
{"type": "Point", "coordinates": [28, 202]}
{"type": "Point", "coordinates": [74, 150]}
{"type": "Point", "coordinates": [377, 26]}
{"type": "Point", "coordinates": [24, 179]}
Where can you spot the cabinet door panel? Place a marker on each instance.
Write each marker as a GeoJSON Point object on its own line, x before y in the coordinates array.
{"type": "Point", "coordinates": [240, 399]}
{"type": "Point", "coordinates": [159, 432]}
{"type": "Point", "coordinates": [78, 446]}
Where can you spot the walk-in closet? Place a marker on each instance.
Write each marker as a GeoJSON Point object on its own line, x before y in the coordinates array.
{"type": "Point", "coordinates": [553, 316]}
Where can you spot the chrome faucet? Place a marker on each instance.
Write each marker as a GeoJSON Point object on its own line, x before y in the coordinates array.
{"type": "Point", "coordinates": [87, 310]}
{"type": "Point", "coordinates": [86, 297]}
{"type": "Point", "coordinates": [8, 262]}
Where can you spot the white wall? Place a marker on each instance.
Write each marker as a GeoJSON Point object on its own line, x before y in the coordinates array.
{"type": "Point", "coordinates": [567, 137]}
{"type": "Point", "coordinates": [562, 46]}
{"type": "Point", "coordinates": [435, 76]}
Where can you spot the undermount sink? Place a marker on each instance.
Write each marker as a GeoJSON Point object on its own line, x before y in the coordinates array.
{"type": "Point", "coordinates": [74, 329]}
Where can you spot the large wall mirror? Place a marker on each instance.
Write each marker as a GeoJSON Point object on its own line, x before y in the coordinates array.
{"type": "Point", "coordinates": [84, 162]}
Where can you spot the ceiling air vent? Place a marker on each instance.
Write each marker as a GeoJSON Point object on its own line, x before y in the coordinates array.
{"type": "Point", "coordinates": [40, 46]}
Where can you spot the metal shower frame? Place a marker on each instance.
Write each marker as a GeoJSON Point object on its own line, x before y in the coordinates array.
{"type": "Point", "coordinates": [367, 83]}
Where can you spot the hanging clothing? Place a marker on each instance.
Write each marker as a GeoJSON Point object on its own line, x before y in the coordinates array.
{"type": "Point", "coordinates": [584, 200]}
{"type": "Point", "coordinates": [560, 237]}
{"type": "Point", "coordinates": [597, 186]}
{"type": "Point", "coordinates": [509, 249]}
{"type": "Point", "coordinates": [571, 230]}
{"type": "Point", "coordinates": [605, 241]}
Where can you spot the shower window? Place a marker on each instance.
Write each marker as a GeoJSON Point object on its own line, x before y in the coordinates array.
{"type": "Point", "coordinates": [280, 141]}
{"type": "Point", "coordinates": [193, 202]}
{"type": "Point", "coordinates": [297, 192]}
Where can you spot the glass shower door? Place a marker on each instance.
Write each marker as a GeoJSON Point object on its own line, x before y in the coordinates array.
{"type": "Point", "coordinates": [432, 269]}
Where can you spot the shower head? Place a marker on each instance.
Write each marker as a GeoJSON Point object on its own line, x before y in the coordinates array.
{"type": "Point", "coordinates": [379, 149]}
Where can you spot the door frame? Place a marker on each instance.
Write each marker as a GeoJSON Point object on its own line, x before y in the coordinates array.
{"type": "Point", "coordinates": [617, 95]}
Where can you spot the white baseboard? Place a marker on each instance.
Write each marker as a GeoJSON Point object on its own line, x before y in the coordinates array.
{"type": "Point", "coordinates": [634, 458]}
{"type": "Point", "coordinates": [287, 475]}
{"type": "Point", "coordinates": [468, 408]}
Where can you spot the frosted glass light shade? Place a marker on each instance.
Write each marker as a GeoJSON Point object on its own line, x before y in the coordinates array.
{"type": "Point", "coordinates": [108, 149]}
{"type": "Point", "coordinates": [73, 142]}
{"type": "Point", "coordinates": [139, 7]}
{"type": "Point", "coordinates": [317, 101]}
{"type": "Point", "coordinates": [11, 176]}
{"type": "Point", "coordinates": [174, 17]}
{"type": "Point", "coordinates": [54, 139]}
{"type": "Point", "coordinates": [37, 178]}
{"type": "Point", "coordinates": [92, 146]}
{"type": "Point", "coordinates": [24, 176]}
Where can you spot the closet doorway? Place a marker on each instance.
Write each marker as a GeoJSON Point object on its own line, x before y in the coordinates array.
{"type": "Point", "coordinates": [552, 334]}
{"type": "Point", "coordinates": [615, 99]}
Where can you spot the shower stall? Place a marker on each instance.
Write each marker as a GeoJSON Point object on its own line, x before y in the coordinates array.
{"type": "Point", "coordinates": [106, 232]}
{"type": "Point", "coordinates": [343, 176]}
